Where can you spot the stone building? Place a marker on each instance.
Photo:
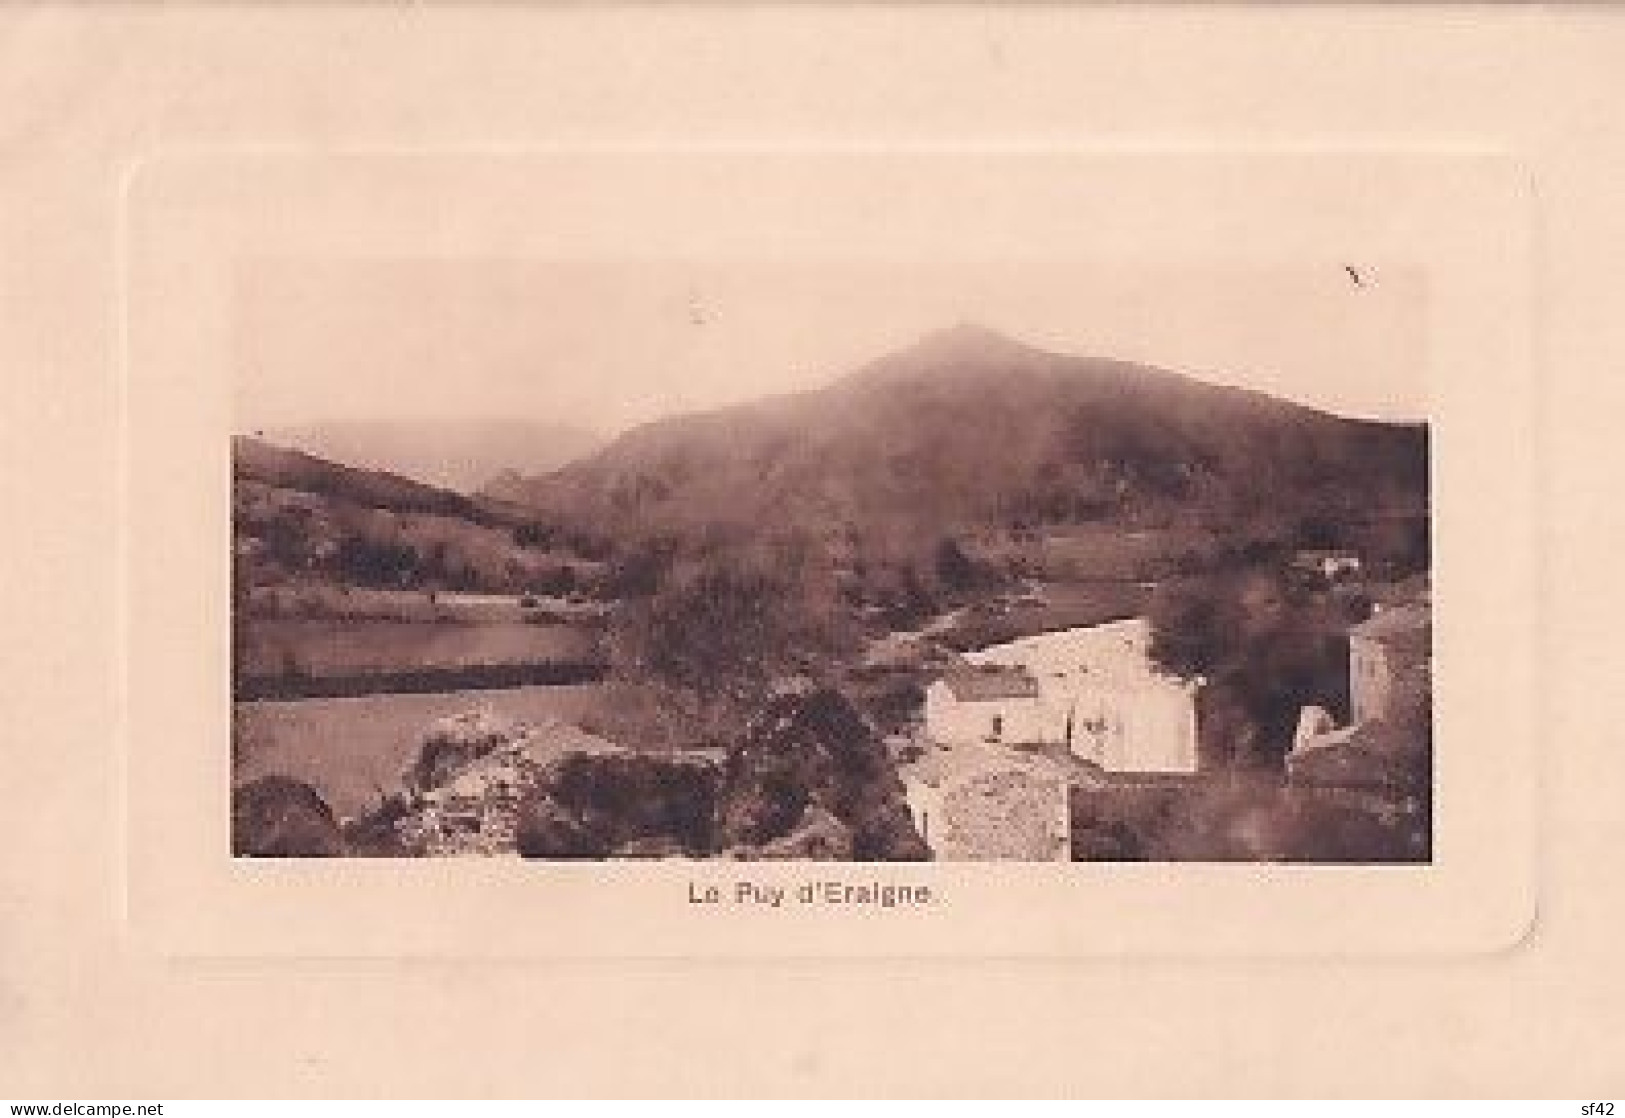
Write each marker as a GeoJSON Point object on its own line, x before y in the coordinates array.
{"type": "Point", "coordinates": [989, 802]}
{"type": "Point", "coordinates": [1382, 761]}
{"type": "Point", "coordinates": [1395, 642]}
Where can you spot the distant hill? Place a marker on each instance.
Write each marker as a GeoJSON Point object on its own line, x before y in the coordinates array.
{"type": "Point", "coordinates": [971, 428]}
{"type": "Point", "coordinates": [297, 517]}
{"type": "Point", "coordinates": [456, 454]}
{"type": "Point", "coordinates": [283, 468]}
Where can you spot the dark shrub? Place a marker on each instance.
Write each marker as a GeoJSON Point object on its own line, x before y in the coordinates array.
{"type": "Point", "coordinates": [279, 817]}
{"type": "Point", "coordinates": [639, 796]}
{"type": "Point", "coordinates": [593, 805]}
{"type": "Point", "coordinates": [374, 835]}
{"type": "Point", "coordinates": [548, 830]}
{"type": "Point", "coordinates": [816, 750]}
{"type": "Point", "coordinates": [1117, 823]}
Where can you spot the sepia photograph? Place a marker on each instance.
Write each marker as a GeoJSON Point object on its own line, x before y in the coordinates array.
{"type": "Point", "coordinates": [831, 561]}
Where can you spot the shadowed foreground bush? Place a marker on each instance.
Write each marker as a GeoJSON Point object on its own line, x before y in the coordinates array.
{"type": "Point", "coordinates": [278, 817]}
{"type": "Point", "coordinates": [594, 805]}
{"type": "Point", "coordinates": [1228, 819]}
{"type": "Point", "coordinates": [809, 779]}
{"type": "Point", "coordinates": [814, 753]}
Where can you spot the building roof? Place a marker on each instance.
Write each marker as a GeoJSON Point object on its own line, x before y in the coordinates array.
{"type": "Point", "coordinates": [1115, 655]}
{"type": "Point", "coordinates": [985, 682]}
{"type": "Point", "coordinates": [941, 766]}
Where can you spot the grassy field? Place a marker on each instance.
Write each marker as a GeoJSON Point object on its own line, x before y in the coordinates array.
{"type": "Point", "coordinates": [350, 749]}
{"type": "Point", "coordinates": [325, 648]}
{"type": "Point", "coordinates": [1096, 553]}
{"type": "Point", "coordinates": [1053, 606]}
{"type": "Point", "coordinates": [325, 601]}
{"type": "Point", "coordinates": [312, 525]}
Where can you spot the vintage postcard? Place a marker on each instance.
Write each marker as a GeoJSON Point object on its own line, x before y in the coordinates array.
{"type": "Point", "coordinates": [884, 530]}
{"type": "Point", "coordinates": [885, 550]}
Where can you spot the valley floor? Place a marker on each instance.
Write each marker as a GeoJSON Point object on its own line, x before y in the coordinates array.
{"type": "Point", "coordinates": [353, 749]}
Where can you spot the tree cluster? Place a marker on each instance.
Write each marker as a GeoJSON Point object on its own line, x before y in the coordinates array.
{"type": "Point", "coordinates": [1264, 650]}
{"type": "Point", "coordinates": [725, 625]}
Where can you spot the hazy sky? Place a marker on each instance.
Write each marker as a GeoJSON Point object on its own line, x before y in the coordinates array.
{"type": "Point", "coordinates": [605, 346]}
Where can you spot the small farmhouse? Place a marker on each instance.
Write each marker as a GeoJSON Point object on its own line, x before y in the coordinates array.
{"type": "Point", "coordinates": [1092, 690]}
{"type": "Point", "coordinates": [990, 703]}
{"type": "Point", "coordinates": [1327, 565]}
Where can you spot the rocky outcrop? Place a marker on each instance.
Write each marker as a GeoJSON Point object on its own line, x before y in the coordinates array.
{"type": "Point", "coordinates": [453, 744]}
{"type": "Point", "coordinates": [488, 786]}
{"type": "Point", "coordinates": [462, 794]}
{"type": "Point", "coordinates": [817, 837]}
{"type": "Point", "coordinates": [811, 780]}
{"type": "Point", "coordinates": [279, 817]}
{"type": "Point", "coordinates": [621, 803]}
{"type": "Point", "coordinates": [810, 752]}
